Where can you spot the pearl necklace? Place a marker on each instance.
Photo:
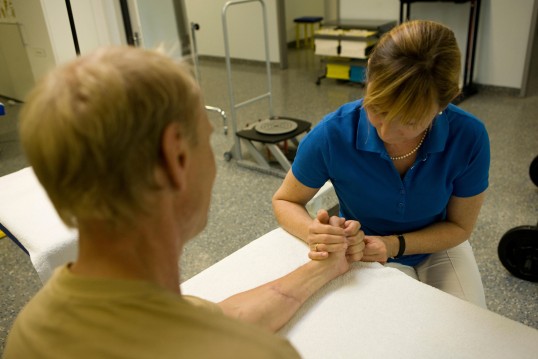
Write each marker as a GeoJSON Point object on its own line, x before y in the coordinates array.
{"type": "Point", "coordinates": [395, 158]}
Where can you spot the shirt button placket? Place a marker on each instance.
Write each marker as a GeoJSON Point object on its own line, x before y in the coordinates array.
{"type": "Point", "coordinates": [401, 204]}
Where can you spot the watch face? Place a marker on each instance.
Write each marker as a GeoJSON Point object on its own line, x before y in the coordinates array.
{"type": "Point", "coordinates": [275, 127]}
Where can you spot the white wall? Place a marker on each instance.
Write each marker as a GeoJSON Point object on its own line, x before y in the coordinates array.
{"type": "Point", "coordinates": [504, 27]}
{"type": "Point", "coordinates": [298, 8]}
{"type": "Point", "coordinates": [96, 26]}
{"type": "Point", "coordinates": [95, 21]}
{"type": "Point", "coordinates": [35, 36]}
{"type": "Point", "coordinates": [502, 42]}
{"type": "Point", "coordinates": [47, 33]}
{"type": "Point", "coordinates": [16, 78]}
{"type": "Point", "coordinates": [245, 29]}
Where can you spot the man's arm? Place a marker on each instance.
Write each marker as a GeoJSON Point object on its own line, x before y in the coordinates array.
{"type": "Point", "coordinates": [273, 304]}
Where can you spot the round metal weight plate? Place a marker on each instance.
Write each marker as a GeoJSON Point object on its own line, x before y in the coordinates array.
{"type": "Point", "coordinates": [275, 127]}
{"type": "Point", "coordinates": [518, 252]}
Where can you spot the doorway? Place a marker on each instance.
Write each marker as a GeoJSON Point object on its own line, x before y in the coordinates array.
{"type": "Point", "coordinates": [152, 24]}
{"type": "Point", "coordinates": [530, 76]}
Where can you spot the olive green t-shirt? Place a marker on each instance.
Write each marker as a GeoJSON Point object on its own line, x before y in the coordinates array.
{"type": "Point", "coordinates": [78, 317]}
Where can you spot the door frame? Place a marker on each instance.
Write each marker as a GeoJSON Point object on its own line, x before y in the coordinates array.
{"type": "Point", "coordinates": [530, 50]}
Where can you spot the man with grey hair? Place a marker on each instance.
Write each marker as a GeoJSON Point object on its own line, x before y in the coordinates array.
{"type": "Point", "coordinates": [119, 139]}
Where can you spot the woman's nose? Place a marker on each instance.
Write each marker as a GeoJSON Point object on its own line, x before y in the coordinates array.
{"type": "Point", "coordinates": [388, 129]}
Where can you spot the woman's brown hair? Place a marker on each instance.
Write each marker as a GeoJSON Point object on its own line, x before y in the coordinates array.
{"type": "Point", "coordinates": [413, 67]}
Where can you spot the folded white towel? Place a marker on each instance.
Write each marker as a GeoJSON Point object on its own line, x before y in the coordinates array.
{"type": "Point", "coordinates": [28, 214]}
{"type": "Point", "coordinates": [370, 312]}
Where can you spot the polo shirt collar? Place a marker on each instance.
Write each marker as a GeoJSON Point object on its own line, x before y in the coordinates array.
{"type": "Point", "coordinates": [368, 140]}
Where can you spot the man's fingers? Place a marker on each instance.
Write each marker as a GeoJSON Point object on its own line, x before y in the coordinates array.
{"type": "Point", "coordinates": [337, 221]}
{"type": "Point", "coordinates": [316, 256]}
{"type": "Point", "coordinates": [355, 239]}
{"type": "Point", "coordinates": [322, 216]}
{"type": "Point", "coordinates": [351, 227]}
{"type": "Point", "coordinates": [334, 247]}
{"type": "Point", "coordinates": [327, 238]}
{"type": "Point", "coordinates": [321, 229]}
{"type": "Point", "coordinates": [355, 248]}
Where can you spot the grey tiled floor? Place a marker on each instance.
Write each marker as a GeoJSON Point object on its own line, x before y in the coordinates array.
{"type": "Point", "coordinates": [241, 206]}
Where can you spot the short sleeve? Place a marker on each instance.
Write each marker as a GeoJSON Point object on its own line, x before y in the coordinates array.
{"type": "Point", "coordinates": [475, 177]}
{"type": "Point", "coordinates": [202, 303]}
{"type": "Point", "coordinates": [310, 166]}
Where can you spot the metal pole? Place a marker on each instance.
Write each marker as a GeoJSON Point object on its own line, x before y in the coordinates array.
{"type": "Point", "coordinates": [194, 28]}
{"type": "Point", "coordinates": [73, 27]}
{"type": "Point", "coordinates": [237, 144]}
{"type": "Point", "coordinates": [127, 22]}
{"type": "Point", "coordinates": [182, 27]}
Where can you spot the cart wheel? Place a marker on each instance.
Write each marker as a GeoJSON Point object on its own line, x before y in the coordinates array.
{"type": "Point", "coordinates": [227, 156]}
{"type": "Point", "coordinates": [518, 252]}
{"type": "Point", "coordinates": [533, 171]}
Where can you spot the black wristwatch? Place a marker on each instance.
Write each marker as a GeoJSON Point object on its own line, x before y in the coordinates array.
{"type": "Point", "coordinates": [401, 251]}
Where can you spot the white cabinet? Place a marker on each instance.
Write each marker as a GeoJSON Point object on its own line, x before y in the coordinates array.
{"type": "Point", "coordinates": [16, 78]}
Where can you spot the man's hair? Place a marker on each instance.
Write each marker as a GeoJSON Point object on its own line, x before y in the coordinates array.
{"type": "Point", "coordinates": [413, 67]}
{"type": "Point", "coordinates": [92, 130]}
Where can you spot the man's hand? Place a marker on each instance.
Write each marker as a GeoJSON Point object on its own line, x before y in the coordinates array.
{"type": "Point", "coordinates": [355, 240]}
{"type": "Point", "coordinates": [333, 234]}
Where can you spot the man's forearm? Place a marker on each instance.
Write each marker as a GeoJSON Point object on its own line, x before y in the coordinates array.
{"type": "Point", "coordinates": [273, 304]}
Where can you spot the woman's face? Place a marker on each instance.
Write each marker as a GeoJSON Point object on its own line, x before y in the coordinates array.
{"type": "Point", "coordinates": [394, 132]}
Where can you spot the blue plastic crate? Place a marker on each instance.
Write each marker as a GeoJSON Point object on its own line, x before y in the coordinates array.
{"type": "Point", "coordinates": [357, 73]}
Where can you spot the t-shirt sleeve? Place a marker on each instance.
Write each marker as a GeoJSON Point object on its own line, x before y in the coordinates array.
{"type": "Point", "coordinates": [475, 177]}
{"type": "Point", "coordinates": [202, 303]}
{"type": "Point", "coordinates": [312, 158]}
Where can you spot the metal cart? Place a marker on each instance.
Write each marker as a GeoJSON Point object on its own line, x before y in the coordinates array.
{"type": "Point", "coordinates": [269, 132]}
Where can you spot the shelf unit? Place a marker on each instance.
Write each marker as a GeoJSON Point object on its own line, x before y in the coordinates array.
{"type": "Point", "coordinates": [344, 46]}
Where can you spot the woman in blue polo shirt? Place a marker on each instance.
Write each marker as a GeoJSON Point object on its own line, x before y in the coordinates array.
{"type": "Point", "coordinates": [410, 169]}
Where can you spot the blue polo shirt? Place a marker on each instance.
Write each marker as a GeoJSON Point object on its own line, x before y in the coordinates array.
{"type": "Point", "coordinates": [345, 149]}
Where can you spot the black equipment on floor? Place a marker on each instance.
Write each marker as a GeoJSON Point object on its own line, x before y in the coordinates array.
{"type": "Point", "coordinates": [518, 248]}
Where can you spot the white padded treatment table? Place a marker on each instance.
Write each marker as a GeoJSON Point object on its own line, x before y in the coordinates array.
{"type": "Point", "coordinates": [370, 312]}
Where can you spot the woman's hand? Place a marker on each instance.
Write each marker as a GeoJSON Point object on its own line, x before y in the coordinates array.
{"type": "Point", "coordinates": [326, 234]}
{"type": "Point", "coordinates": [333, 234]}
{"type": "Point", "coordinates": [376, 249]}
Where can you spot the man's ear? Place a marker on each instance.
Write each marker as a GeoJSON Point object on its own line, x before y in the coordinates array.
{"type": "Point", "coordinates": [175, 152]}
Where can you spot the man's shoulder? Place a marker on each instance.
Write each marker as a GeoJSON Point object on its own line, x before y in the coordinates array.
{"type": "Point", "coordinates": [230, 336]}
{"type": "Point", "coordinates": [150, 322]}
